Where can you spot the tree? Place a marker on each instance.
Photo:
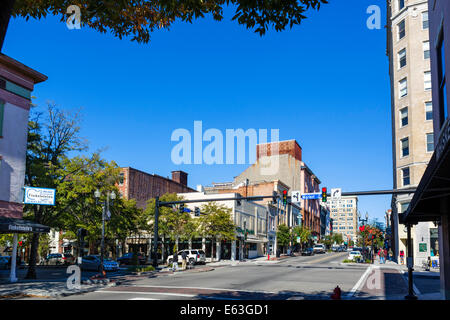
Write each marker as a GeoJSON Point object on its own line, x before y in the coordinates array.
{"type": "Point", "coordinates": [303, 232]}
{"type": "Point", "coordinates": [139, 18]}
{"type": "Point", "coordinates": [217, 222]}
{"type": "Point", "coordinates": [283, 235]}
{"type": "Point", "coordinates": [365, 237]}
{"type": "Point", "coordinates": [50, 139]}
{"type": "Point", "coordinates": [337, 238]}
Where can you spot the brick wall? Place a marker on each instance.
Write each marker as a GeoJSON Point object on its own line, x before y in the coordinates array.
{"type": "Point", "coordinates": [284, 147]}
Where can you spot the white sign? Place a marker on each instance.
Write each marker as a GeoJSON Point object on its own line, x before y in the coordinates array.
{"type": "Point", "coordinates": [295, 196]}
{"type": "Point", "coordinates": [42, 196]}
{"type": "Point", "coordinates": [336, 194]}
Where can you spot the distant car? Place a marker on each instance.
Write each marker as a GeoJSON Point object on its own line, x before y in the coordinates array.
{"type": "Point", "coordinates": [308, 252]}
{"type": "Point", "coordinates": [349, 249]}
{"type": "Point", "coordinates": [68, 258]}
{"type": "Point", "coordinates": [193, 256]}
{"type": "Point", "coordinates": [341, 249]}
{"type": "Point", "coordinates": [93, 263]}
{"type": "Point", "coordinates": [127, 258]}
{"type": "Point", "coordinates": [5, 263]}
{"type": "Point", "coordinates": [354, 254]}
{"type": "Point", "coordinates": [319, 248]}
{"type": "Point", "coordinates": [54, 259]}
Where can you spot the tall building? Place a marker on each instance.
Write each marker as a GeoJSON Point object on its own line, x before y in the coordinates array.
{"type": "Point", "coordinates": [344, 214]}
{"type": "Point", "coordinates": [408, 49]}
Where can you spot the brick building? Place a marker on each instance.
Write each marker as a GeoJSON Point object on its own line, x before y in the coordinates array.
{"type": "Point", "coordinates": [142, 186]}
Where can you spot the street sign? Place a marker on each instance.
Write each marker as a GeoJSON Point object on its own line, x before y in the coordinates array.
{"type": "Point", "coordinates": [336, 194]}
{"type": "Point", "coordinates": [295, 196]}
{"type": "Point", "coordinates": [42, 196]}
{"type": "Point", "coordinates": [311, 196]}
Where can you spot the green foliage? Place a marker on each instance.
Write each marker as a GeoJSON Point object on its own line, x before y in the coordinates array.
{"type": "Point", "coordinates": [139, 18]}
{"type": "Point", "coordinates": [337, 238]}
{"type": "Point", "coordinates": [366, 236]}
{"type": "Point", "coordinates": [135, 268]}
{"type": "Point", "coordinates": [217, 222]}
{"type": "Point", "coordinates": [283, 235]}
{"type": "Point", "coordinates": [303, 232]}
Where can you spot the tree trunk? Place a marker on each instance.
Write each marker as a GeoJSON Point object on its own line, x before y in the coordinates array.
{"type": "Point", "coordinates": [31, 274]}
{"type": "Point", "coordinates": [6, 7]}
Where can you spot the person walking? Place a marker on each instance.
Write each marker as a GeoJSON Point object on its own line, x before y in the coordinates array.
{"type": "Point", "coordinates": [391, 254]}
{"type": "Point", "coordinates": [175, 261]}
{"type": "Point", "coordinates": [183, 260]}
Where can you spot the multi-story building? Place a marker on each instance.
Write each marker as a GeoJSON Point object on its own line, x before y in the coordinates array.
{"type": "Point", "coordinates": [142, 186]}
{"type": "Point", "coordinates": [283, 161]}
{"type": "Point", "coordinates": [324, 220]}
{"type": "Point", "coordinates": [344, 213]}
{"type": "Point", "coordinates": [408, 49]}
{"type": "Point", "coordinates": [277, 213]}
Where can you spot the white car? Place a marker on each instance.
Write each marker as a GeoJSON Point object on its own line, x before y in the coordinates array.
{"type": "Point", "coordinates": [193, 256]}
{"type": "Point", "coordinates": [354, 254]}
{"type": "Point", "coordinates": [319, 248]}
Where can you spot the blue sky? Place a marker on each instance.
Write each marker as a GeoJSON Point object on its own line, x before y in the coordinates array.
{"type": "Point", "coordinates": [324, 83]}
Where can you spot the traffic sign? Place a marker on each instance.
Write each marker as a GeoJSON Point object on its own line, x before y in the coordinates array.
{"type": "Point", "coordinates": [295, 196]}
{"type": "Point", "coordinates": [311, 196]}
{"type": "Point", "coordinates": [336, 194]}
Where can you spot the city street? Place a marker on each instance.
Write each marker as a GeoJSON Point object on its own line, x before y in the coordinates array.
{"type": "Point", "coordinates": [292, 278]}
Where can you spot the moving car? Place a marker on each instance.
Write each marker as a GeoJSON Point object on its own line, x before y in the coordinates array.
{"type": "Point", "coordinates": [127, 259]}
{"type": "Point", "coordinates": [93, 263]}
{"type": "Point", "coordinates": [319, 248]}
{"type": "Point", "coordinates": [308, 252]}
{"type": "Point", "coordinates": [195, 256]}
{"type": "Point", "coordinates": [54, 259]}
{"type": "Point", "coordinates": [354, 254]}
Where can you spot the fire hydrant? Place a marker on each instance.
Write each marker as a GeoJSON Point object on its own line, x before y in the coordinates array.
{"type": "Point", "coordinates": [336, 293]}
{"type": "Point", "coordinates": [268, 256]}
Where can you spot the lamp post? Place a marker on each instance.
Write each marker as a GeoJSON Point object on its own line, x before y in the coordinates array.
{"type": "Point", "coordinates": [364, 221]}
{"type": "Point", "coordinates": [105, 209]}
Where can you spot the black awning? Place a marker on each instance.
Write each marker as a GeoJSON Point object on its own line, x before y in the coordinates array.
{"type": "Point", "coordinates": [434, 185]}
{"type": "Point", "coordinates": [10, 225]}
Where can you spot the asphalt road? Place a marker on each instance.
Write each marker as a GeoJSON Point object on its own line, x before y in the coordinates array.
{"type": "Point", "coordinates": [293, 278]}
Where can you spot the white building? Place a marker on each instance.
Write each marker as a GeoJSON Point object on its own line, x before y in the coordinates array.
{"type": "Point", "coordinates": [344, 213]}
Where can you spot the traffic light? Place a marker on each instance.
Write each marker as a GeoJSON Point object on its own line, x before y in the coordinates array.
{"type": "Point", "coordinates": [181, 208]}
{"type": "Point", "coordinates": [324, 194]}
{"type": "Point", "coordinates": [285, 197]}
{"type": "Point", "coordinates": [197, 211]}
{"type": "Point", "coordinates": [20, 243]}
{"type": "Point", "coordinates": [274, 197]}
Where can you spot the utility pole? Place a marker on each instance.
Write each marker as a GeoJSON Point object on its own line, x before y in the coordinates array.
{"type": "Point", "coordinates": [409, 262]}
{"type": "Point", "coordinates": [155, 236]}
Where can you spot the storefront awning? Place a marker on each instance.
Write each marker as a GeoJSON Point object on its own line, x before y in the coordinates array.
{"type": "Point", "coordinates": [10, 225]}
{"type": "Point", "coordinates": [426, 204]}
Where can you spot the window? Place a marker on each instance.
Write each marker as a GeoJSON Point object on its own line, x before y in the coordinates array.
{"type": "Point", "coordinates": [404, 206]}
{"type": "Point", "coordinates": [404, 116]}
{"type": "Point", "coordinates": [426, 49]}
{"type": "Point", "coordinates": [121, 175]}
{"type": "Point", "coordinates": [430, 142]}
{"type": "Point", "coordinates": [403, 86]}
{"type": "Point", "coordinates": [402, 58]}
{"type": "Point", "coordinates": [427, 80]}
{"type": "Point", "coordinates": [405, 147]}
{"type": "Point", "coordinates": [401, 4]}
{"type": "Point", "coordinates": [429, 110]}
{"type": "Point", "coordinates": [406, 178]}
{"type": "Point", "coordinates": [425, 22]}
{"type": "Point", "coordinates": [401, 30]}
{"type": "Point", "coordinates": [2, 113]}
{"type": "Point", "coordinates": [443, 103]}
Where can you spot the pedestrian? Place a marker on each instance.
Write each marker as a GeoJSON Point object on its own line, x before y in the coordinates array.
{"type": "Point", "coordinates": [402, 257]}
{"type": "Point", "coordinates": [175, 261]}
{"type": "Point", "coordinates": [183, 261]}
{"type": "Point", "coordinates": [391, 254]}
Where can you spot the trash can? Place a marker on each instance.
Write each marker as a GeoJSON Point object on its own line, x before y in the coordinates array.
{"type": "Point", "coordinates": [278, 253]}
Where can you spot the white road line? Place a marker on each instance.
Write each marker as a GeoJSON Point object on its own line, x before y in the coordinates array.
{"type": "Point", "coordinates": [405, 277]}
{"type": "Point", "coordinates": [220, 289]}
{"type": "Point", "coordinates": [142, 299]}
{"type": "Point", "coordinates": [150, 293]}
{"type": "Point", "coordinates": [359, 283]}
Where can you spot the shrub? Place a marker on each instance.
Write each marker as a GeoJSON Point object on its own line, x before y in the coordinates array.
{"type": "Point", "coordinates": [140, 268]}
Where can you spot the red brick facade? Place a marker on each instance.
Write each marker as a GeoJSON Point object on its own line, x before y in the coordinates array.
{"type": "Point", "coordinates": [284, 147]}
{"type": "Point", "coordinates": [143, 186]}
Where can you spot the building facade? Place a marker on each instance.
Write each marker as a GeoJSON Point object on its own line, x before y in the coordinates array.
{"type": "Point", "coordinates": [283, 161]}
{"type": "Point", "coordinates": [408, 49]}
{"type": "Point", "coordinates": [344, 213]}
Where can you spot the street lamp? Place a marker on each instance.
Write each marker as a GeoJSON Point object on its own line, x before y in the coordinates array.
{"type": "Point", "coordinates": [105, 211]}
{"type": "Point", "coordinates": [364, 221]}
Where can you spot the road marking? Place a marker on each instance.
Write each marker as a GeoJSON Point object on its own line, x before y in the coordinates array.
{"type": "Point", "coordinates": [359, 283]}
{"type": "Point", "coordinates": [182, 287]}
{"type": "Point", "coordinates": [405, 277]}
{"type": "Point", "coordinates": [150, 293]}
{"type": "Point", "coordinates": [142, 299]}
{"type": "Point", "coordinates": [321, 259]}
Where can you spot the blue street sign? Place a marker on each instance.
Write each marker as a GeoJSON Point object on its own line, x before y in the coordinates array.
{"type": "Point", "coordinates": [311, 196]}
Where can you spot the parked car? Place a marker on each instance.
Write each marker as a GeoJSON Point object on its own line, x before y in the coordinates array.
{"type": "Point", "coordinates": [127, 259]}
{"type": "Point", "coordinates": [308, 252]}
{"type": "Point", "coordinates": [54, 259]}
{"type": "Point", "coordinates": [319, 248]}
{"type": "Point", "coordinates": [354, 254]}
{"type": "Point", "coordinates": [342, 249]}
{"type": "Point", "coordinates": [93, 263]}
{"type": "Point", "coordinates": [5, 263]}
{"type": "Point", "coordinates": [193, 256]}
